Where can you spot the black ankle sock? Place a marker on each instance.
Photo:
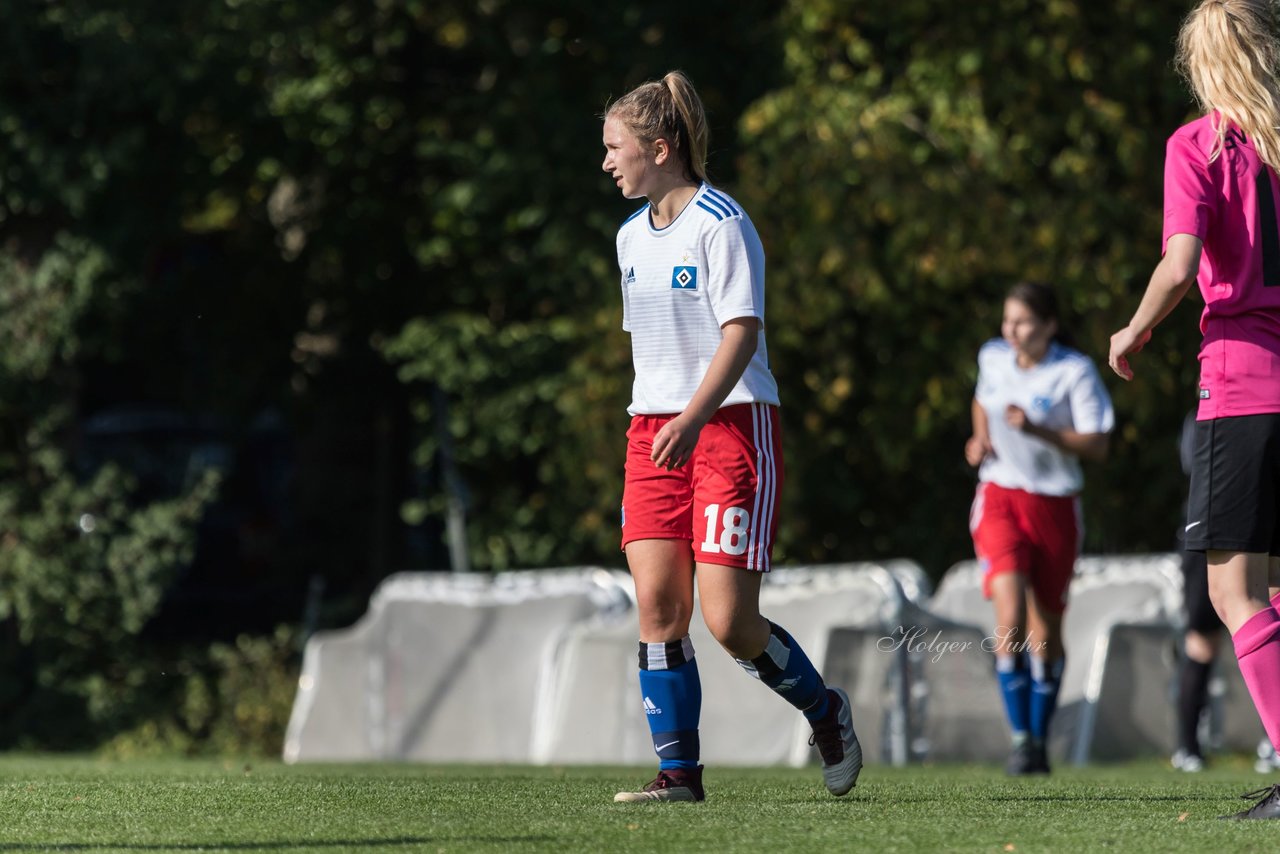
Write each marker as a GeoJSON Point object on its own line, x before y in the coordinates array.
{"type": "Point", "coordinates": [1192, 696]}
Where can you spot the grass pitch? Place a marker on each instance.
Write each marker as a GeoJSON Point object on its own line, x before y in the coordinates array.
{"type": "Point", "coordinates": [79, 804]}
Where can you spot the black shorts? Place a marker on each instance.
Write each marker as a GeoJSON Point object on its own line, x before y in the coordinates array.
{"type": "Point", "coordinates": [1235, 485]}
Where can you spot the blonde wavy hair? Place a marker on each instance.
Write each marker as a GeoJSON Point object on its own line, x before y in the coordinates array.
{"type": "Point", "coordinates": [669, 109]}
{"type": "Point", "coordinates": [1229, 51]}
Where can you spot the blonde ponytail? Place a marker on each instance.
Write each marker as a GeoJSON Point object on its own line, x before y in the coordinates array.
{"type": "Point", "coordinates": [689, 107]}
{"type": "Point", "coordinates": [1230, 53]}
{"type": "Point", "coordinates": [670, 110]}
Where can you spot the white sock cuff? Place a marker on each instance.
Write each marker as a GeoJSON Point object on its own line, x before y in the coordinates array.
{"type": "Point", "coordinates": [666, 656]}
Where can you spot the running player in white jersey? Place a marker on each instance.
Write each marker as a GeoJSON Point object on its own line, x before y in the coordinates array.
{"type": "Point", "coordinates": [704, 452]}
{"type": "Point", "coordinates": [1039, 407]}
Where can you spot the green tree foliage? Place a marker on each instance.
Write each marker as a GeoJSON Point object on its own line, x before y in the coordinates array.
{"type": "Point", "coordinates": [908, 165]}
{"type": "Point", "coordinates": [249, 200]}
{"type": "Point", "coordinates": [137, 263]}
{"type": "Point", "coordinates": [233, 699]}
{"type": "Point", "coordinates": [386, 219]}
{"type": "Point", "coordinates": [920, 159]}
{"type": "Point", "coordinates": [83, 566]}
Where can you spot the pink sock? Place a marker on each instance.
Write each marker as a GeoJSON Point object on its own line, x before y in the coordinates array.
{"type": "Point", "coordinates": [1275, 601]}
{"type": "Point", "coordinates": [1258, 652]}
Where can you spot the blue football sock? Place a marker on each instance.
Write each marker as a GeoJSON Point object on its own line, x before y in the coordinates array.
{"type": "Point", "coordinates": [1015, 688]}
{"type": "Point", "coordinates": [785, 668]}
{"type": "Point", "coordinates": [1046, 679]}
{"type": "Point", "coordinates": [672, 695]}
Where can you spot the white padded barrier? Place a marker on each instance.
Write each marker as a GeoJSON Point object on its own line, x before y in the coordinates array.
{"type": "Point", "coordinates": [598, 717]}
{"type": "Point", "coordinates": [1109, 596]}
{"type": "Point", "coordinates": [540, 666]}
{"type": "Point", "coordinates": [911, 578]}
{"type": "Point", "coordinates": [444, 667]}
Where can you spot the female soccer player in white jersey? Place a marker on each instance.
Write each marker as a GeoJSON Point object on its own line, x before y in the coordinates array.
{"type": "Point", "coordinates": [704, 451]}
{"type": "Point", "coordinates": [1039, 407]}
{"type": "Point", "coordinates": [1220, 215]}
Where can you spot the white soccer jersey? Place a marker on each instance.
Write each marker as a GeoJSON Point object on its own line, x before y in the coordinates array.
{"type": "Point", "coordinates": [1062, 391]}
{"type": "Point", "coordinates": [680, 285]}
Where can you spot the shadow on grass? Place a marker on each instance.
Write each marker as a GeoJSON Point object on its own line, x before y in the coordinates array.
{"type": "Point", "coordinates": [1065, 797]}
{"type": "Point", "coordinates": [873, 800]}
{"type": "Point", "coordinates": [266, 846]}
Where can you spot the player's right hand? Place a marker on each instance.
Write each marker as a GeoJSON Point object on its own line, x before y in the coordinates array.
{"type": "Point", "coordinates": [674, 443]}
{"type": "Point", "coordinates": [1125, 343]}
{"type": "Point", "coordinates": [977, 449]}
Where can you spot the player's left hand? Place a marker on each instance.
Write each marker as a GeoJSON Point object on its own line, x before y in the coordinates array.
{"type": "Point", "coordinates": [674, 443]}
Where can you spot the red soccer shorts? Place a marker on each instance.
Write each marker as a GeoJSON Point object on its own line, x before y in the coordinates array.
{"type": "Point", "coordinates": [724, 500]}
{"type": "Point", "coordinates": [1036, 535]}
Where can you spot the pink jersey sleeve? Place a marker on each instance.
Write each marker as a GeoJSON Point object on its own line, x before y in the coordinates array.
{"type": "Point", "coordinates": [1188, 192]}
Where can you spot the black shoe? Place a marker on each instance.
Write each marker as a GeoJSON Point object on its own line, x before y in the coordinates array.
{"type": "Point", "coordinates": [1022, 760]}
{"type": "Point", "coordinates": [1028, 757]}
{"type": "Point", "coordinates": [676, 784]}
{"type": "Point", "coordinates": [836, 741]}
{"type": "Point", "coordinates": [1268, 805]}
{"type": "Point", "coordinates": [1039, 759]}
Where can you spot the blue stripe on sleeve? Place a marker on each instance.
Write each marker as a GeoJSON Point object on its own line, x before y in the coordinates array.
{"type": "Point", "coordinates": [724, 200]}
{"type": "Point", "coordinates": [719, 205]}
{"type": "Point", "coordinates": [715, 213]}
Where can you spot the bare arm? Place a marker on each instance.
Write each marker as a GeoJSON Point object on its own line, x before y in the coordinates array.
{"type": "Point", "coordinates": [978, 448]}
{"type": "Point", "coordinates": [1086, 446]}
{"type": "Point", "coordinates": [1170, 281]}
{"type": "Point", "coordinates": [674, 443]}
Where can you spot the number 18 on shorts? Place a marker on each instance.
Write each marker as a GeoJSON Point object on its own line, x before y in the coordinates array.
{"type": "Point", "coordinates": [724, 500]}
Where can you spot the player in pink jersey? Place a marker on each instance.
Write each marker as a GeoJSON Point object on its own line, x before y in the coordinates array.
{"type": "Point", "coordinates": [1220, 230]}
{"type": "Point", "coordinates": [1039, 407]}
{"type": "Point", "coordinates": [704, 456]}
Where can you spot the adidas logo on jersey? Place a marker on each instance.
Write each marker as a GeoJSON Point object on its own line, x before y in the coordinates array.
{"type": "Point", "coordinates": [650, 708]}
{"type": "Point", "coordinates": [630, 277]}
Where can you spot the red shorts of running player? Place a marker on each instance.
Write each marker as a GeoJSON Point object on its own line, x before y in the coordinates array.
{"type": "Point", "coordinates": [1037, 535]}
{"type": "Point", "coordinates": [724, 500]}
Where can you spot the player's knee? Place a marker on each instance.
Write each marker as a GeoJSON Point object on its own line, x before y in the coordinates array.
{"type": "Point", "coordinates": [1199, 646]}
{"type": "Point", "coordinates": [1224, 595]}
{"type": "Point", "coordinates": [663, 618]}
{"type": "Point", "coordinates": [720, 626]}
{"type": "Point", "coordinates": [742, 637]}
{"type": "Point", "coordinates": [1232, 603]}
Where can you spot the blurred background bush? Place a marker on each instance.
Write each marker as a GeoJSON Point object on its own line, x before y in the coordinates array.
{"type": "Point", "coordinates": [288, 285]}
